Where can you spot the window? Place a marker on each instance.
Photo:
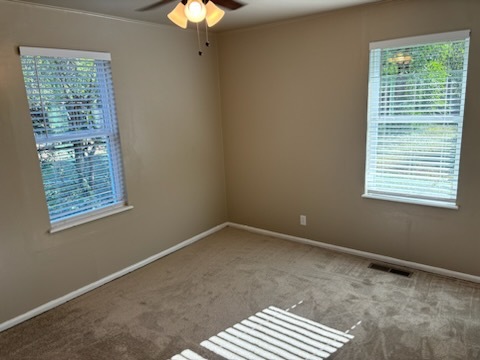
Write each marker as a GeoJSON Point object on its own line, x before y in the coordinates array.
{"type": "Point", "coordinates": [415, 115]}
{"type": "Point", "coordinates": [72, 107]}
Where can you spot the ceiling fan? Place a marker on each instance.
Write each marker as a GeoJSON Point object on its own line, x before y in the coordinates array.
{"type": "Point", "coordinates": [196, 10]}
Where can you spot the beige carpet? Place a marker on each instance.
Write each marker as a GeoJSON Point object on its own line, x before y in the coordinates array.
{"type": "Point", "coordinates": [182, 300]}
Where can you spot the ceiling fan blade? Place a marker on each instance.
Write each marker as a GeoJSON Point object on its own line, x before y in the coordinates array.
{"type": "Point", "coordinates": [229, 4]}
{"type": "Point", "coordinates": [155, 5]}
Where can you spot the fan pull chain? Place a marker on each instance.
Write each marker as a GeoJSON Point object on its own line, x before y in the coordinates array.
{"type": "Point", "coordinates": [199, 46]}
{"type": "Point", "coordinates": [207, 43]}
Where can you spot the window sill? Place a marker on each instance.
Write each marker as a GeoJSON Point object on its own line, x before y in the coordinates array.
{"type": "Point", "coordinates": [82, 219]}
{"type": "Point", "coordinates": [422, 202]}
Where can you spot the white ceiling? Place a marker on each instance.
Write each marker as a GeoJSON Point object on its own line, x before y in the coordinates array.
{"type": "Point", "coordinates": [256, 12]}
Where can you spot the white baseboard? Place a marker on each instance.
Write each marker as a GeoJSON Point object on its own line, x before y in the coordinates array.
{"type": "Point", "coordinates": [364, 254]}
{"type": "Point", "coordinates": [70, 296]}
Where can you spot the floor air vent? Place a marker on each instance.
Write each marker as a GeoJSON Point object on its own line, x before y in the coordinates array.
{"type": "Point", "coordinates": [388, 269]}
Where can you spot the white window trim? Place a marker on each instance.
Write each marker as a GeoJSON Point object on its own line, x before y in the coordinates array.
{"type": "Point", "coordinates": [405, 200]}
{"type": "Point", "coordinates": [64, 53]}
{"type": "Point", "coordinates": [405, 42]}
{"type": "Point", "coordinates": [88, 217]}
{"type": "Point", "coordinates": [421, 40]}
{"type": "Point", "coordinates": [75, 220]}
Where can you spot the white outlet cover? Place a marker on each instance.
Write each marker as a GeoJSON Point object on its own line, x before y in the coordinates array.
{"type": "Point", "coordinates": [303, 220]}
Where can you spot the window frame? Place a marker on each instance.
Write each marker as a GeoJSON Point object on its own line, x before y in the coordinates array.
{"type": "Point", "coordinates": [376, 49]}
{"type": "Point", "coordinates": [108, 133]}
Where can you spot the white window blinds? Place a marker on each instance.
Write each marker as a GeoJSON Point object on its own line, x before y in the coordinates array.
{"type": "Point", "coordinates": [71, 100]}
{"type": "Point", "coordinates": [415, 115]}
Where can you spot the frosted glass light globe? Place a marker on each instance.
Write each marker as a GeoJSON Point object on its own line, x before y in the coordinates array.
{"type": "Point", "coordinates": [195, 11]}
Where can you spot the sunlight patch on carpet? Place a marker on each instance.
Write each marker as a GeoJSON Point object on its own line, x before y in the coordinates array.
{"type": "Point", "coordinates": [188, 355]}
{"type": "Point", "coordinates": [276, 334]}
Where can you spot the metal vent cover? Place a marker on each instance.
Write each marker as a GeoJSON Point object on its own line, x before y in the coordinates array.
{"type": "Point", "coordinates": [386, 268]}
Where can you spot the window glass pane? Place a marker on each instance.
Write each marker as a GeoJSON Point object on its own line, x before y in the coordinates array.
{"type": "Point", "coordinates": [422, 80]}
{"type": "Point", "coordinates": [73, 117]}
{"type": "Point", "coordinates": [416, 159]}
{"type": "Point", "coordinates": [77, 176]}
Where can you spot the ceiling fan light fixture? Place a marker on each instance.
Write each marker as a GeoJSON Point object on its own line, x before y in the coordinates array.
{"type": "Point", "coordinates": [195, 11]}
{"type": "Point", "coordinates": [214, 14]}
{"type": "Point", "coordinates": [177, 16]}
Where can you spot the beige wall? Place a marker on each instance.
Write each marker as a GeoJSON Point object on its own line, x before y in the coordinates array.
{"type": "Point", "coordinates": [294, 120]}
{"type": "Point", "coordinates": [294, 115]}
{"type": "Point", "coordinates": [169, 116]}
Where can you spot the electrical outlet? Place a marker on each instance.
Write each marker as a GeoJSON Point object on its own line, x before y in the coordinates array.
{"type": "Point", "coordinates": [303, 220]}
